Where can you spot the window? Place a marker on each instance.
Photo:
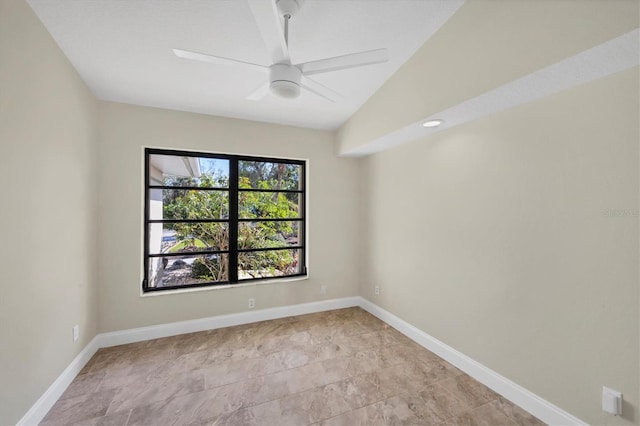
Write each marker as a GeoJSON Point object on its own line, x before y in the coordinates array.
{"type": "Point", "coordinates": [213, 219]}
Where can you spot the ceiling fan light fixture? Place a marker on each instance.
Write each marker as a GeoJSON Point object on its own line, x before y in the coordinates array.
{"type": "Point", "coordinates": [285, 89]}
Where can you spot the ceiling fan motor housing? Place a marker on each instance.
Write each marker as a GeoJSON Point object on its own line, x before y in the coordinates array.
{"type": "Point", "coordinates": [285, 80]}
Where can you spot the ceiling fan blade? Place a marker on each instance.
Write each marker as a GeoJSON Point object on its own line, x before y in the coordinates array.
{"type": "Point", "coordinates": [216, 59]}
{"type": "Point", "coordinates": [259, 93]}
{"type": "Point", "coordinates": [319, 89]}
{"type": "Point", "coordinates": [346, 61]}
{"type": "Point", "coordinates": [265, 13]}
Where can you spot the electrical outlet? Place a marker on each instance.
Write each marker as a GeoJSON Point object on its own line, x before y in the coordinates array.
{"type": "Point", "coordinates": [76, 332]}
{"type": "Point", "coordinates": [611, 401]}
{"type": "Point", "coordinates": [377, 289]}
{"type": "Point", "coordinates": [252, 303]}
{"type": "Point", "coordinates": [323, 289]}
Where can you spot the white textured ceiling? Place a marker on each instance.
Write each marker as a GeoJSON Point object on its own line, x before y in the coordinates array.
{"type": "Point", "coordinates": [123, 51]}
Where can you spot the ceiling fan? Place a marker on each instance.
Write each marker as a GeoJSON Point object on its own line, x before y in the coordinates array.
{"type": "Point", "coordinates": [286, 79]}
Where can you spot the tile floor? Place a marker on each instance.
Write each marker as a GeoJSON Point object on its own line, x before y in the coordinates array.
{"type": "Point", "coordinates": [342, 367]}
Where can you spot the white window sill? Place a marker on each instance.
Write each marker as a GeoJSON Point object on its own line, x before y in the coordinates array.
{"type": "Point", "coordinates": [220, 287]}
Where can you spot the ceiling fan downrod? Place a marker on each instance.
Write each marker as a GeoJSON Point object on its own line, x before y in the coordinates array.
{"type": "Point", "coordinates": [288, 9]}
{"type": "Point", "coordinates": [286, 29]}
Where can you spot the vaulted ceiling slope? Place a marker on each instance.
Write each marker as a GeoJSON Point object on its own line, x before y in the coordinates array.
{"type": "Point", "coordinates": [123, 51]}
{"type": "Point", "coordinates": [493, 55]}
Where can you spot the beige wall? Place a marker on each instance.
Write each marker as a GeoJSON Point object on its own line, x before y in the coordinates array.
{"type": "Point", "coordinates": [494, 238]}
{"type": "Point", "coordinates": [333, 233]}
{"type": "Point", "coordinates": [484, 45]}
{"type": "Point", "coordinates": [47, 211]}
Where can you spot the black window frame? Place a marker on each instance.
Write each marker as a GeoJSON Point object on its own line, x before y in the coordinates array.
{"type": "Point", "coordinates": [234, 220]}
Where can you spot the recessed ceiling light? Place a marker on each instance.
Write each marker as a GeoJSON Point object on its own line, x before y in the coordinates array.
{"type": "Point", "coordinates": [432, 123]}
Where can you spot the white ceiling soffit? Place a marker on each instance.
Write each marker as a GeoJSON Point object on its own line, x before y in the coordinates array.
{"type": "Point", "coordinates": [123, 51]}
{"type": "Point", "coordinates": [176, 166]}
{"type": "Point", "coordinates": [615, 55]}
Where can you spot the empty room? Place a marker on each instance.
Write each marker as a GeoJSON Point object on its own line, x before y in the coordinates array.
{"type": "Point", "coordinates": [331, 212]}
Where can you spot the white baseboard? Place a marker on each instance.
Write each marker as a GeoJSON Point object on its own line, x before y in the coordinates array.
{"type": "Point", "coordinates": [42, 406]}
{"type": "Point", "coordinates": [542, 409]}
{"type": "Point", "coordinates": [530, 402]}
{"type": "Point", "coordinates": [210, 323]}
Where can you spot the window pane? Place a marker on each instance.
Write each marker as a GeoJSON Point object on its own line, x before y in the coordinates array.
{"type": "Point", "coordinates": [253, 235]}
{"type": "Point", "coordinates": [188, 220]}
{"type": "Point", "coordinates": [188, 204]}
{"type": "Point", "coordinates": [185, 270]}
{"type": "Point", "coordinates": [188, 237]}
{"type": "Point", "coordinates": [271, 263]}
{"type": "Point", "coordinates": [173, 170]}
{"type": "Point", "coordinates": [266, 175]}
{"type": "Point", "coordinates": [268, 205]}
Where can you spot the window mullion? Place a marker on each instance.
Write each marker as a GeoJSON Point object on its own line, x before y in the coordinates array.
{"type": "Point", "coordinates": [233, 220]}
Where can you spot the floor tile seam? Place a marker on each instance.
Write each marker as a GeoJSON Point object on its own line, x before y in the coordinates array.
{"type": "Point", "coordinates": [409, 393]}
{"type": "Point", "coordinates": [451, 394]}
{"type": "Point", "coordinates": [344, 412]}
{"type": "Point", "coordinates": [77, 396]}
{"type": "Point", "coordinates": [110, 350]}
{"type": "Point", "coordinates": [318, 361]}
{"type": "Point", "coordinates": [354, 377]}
{"type": "Point", "coordinates": [507, 413]}
{"type": "Point", "coordinates": [307, 390]}
{"type": "Point", "coordinates": [229, 362]}
{"type": "Point", "coordinates": [164, 402]}
{"type": "Point", "coordinates": [359, 408]}
{"type": "Point", "coordinates": [337, 343]}
{"type": "Point", "coordinates": [145, 402]}
{"type": "Point", "coordinates": [114, 351]}
{"type": "Point", "coordinates": [207, 366]}
{"type": "Point", "coordinates": [98, 388]}
{"type": "Point", "coordinates": [311, 343]}
{"type": "Point", "coordinates": [281, 350]}
{"type": "Point", "coordinates": [111, 403]}
{"type": "Point", "coordinates": [320, 420]}
{"type": "Point", "coordinates": [487, 401]}
{"type": "Point", "coordinates": [128, 417]}
{"type": "Point", "coordinates": [385, 397]}
{"type": "Point", "coordinates": [251, 405]}
{"type": "Point", "coordinates": [268, 374]}
{"type": "Point", "coordinates": [437, 382]}
{"type": "Point", "coordinates": [64, 395]}
{"type": "Point", "coordinates": [394, 394]}
{"type": "Point", "coordinates": [409, 378]}
{"type": "Point", "coordinates": [444, 417]}
{"type": "Point", "coordinates": [213, 364]}
{"type": "Point", "coordinates": [246, 379]}
{"type": "Point", "coordinates": [121, 347]}
{"type": "Point", "coordinates": [500, 411]}
{"type": "Point", "coordinates": [145, 376]}
{"type": "Point", "coordinates": [349, 410]}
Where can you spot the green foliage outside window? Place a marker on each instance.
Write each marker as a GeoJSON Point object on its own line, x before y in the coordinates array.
{"type": "Point", "coordinates": [214, 204]}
